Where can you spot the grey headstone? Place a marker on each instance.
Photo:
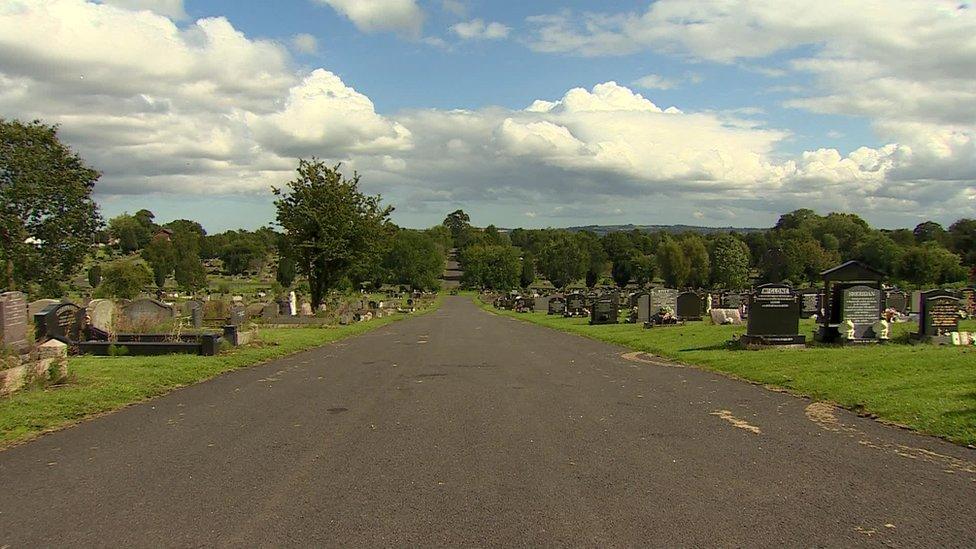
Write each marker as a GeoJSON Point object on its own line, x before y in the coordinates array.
{"type": "Point", "coordinates": [146, 313]}
{"type": "Point", "coordinates": [35, 307]}
{"type": "Point", "coordinates": [13, 320]}
{"type": "Point", "coordinates": [102, 314]}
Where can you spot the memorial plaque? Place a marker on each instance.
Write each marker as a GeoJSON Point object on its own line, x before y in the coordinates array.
{"type": "Point", "coordinates": [862, 306]}
{"type": "Point", "coordinates": [62, 321]}
{"type": "Point", "coordinates": [13, 321]}
{"type": "Point", "coordinates": [688, 306]}
{"type": "Point", "coordinates": [557, 305]}
{"type": "Point", "coordinates": [940, 313]}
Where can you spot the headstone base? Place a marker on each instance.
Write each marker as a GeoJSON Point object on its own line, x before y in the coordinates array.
{"type": "Point", "coordinates": [953, 338]}
{"type": "Point", "coordinates": [831, 334]}
{"type": "Point", "coordinates": [751, 342]}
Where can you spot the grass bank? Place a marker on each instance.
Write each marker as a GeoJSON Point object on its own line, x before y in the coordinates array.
{"type": "Point", "coordinates": [102, 384]}
{"type": "Point", "coordinates": [930, 389]}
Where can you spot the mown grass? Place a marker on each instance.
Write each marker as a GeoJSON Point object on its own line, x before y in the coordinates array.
{"type": "Point", "coordinates": [102, 384]}
{"type": "Point", "coordinates": [927, 388]}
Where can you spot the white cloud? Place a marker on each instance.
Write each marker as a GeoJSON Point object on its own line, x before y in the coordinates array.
{"type": "Point", "coordinates": [304, 43]}
{"type": "Point", "coordinates": [454, 7]}
{"type": "Point", "coordinates": [402, 16]}
{"type": "Point", "coordinates": [655, 82]}
{"type": "Point", "coordinates": [205, 109]}
{"type": "Point", "coordinates": [169, 8]}
{"type": "Point", "coordinates": [477, 29]}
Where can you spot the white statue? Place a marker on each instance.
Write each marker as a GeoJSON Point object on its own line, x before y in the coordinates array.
{"type": "Point", "coordinates": [882, 329]}
{"type": "Point", "coordinates": [847, 329]}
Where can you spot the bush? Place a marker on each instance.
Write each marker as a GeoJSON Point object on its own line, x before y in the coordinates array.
{"type": "Point", "coordinates": [123, 280]}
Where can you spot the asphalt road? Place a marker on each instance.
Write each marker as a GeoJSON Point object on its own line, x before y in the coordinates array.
{"type": "Point", "coordinates": [465, 428]}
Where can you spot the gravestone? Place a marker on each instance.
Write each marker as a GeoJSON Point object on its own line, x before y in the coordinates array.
{"type": "Point", "coordinates": [13, 321]}
{"type": "Point", "coordinates": [852, 304]}
{"type": "Point", "coordinates": [968, 298]}
{"type": "Point", "coordinates": [861, 305]}
{"type": "Point", "coordinates": [542, 303]}
{"type": "Point", "coordinates": [145, 313]}
{"type": "Point", "coordinates": [575, 304]}
{"type": "Point", "coordinates": [237, 315]}
{"type": "Point", "coordinates": [897, 300]}
{"type": "Point", "coordinates": [270, 311]}
{"type": "Point", "coordinates": [688, 306]}
{"type": "Point", "coordinates": [939, 315]}
{"type": "Point", "coordinates": [253, 310]}
{"type": "Point", "coordinates": [307, 309]}
{"type": "Point", "coordinates": [61, 321]}
{"type": "Point", "coordinates": [604, 310]}
{"type": "Point", "coordinates": [726, 317]}
{"type": "Point", "coordinates": [196, 317]}
{"type": "Point", "coordinates": [774, 317]}
{"type": "Point", "coordinates": [916, 302]}
{"type": "Point", "coordinates": [731, 300]}
{"type": "Point", "coordinates": [810, 303]}
{"type": "Point", "coordinates": [664, 298]}
{"type": "Point", "coordinates": [101, 315]}
{"type": "Point", "coordinates": [644, 308]}
{"type": "Point", "coordinates": [557, 305]}
{"type": "Point", "coordinates": [35, 307]}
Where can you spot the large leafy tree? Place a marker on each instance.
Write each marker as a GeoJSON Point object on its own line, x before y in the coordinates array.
{"type": "Point", "coordinates": [730, 262]}
{"type": "Point", "coordinates": [415, 259]}
{"type": "Point", "coordinates": [48, 220]}
{"type": "Point", "coordinates": [699, 266]}
{"type": "Point", "coordinates": [491, 267]}
{"type": "Point", "coordinates": [562, 260]}
{"type": "Point", "coordinates": [123, 279]}
{"type": "Point", "coordinates": [329, 224]}
{"type": "Point", "coordinates": [132, 235]}
{"type": "Point", "coordinates": [457, 221]}
{"type": "Point", "coordinates": [161, 257]}
{"type": "Point", "coordinates": [674, 265]}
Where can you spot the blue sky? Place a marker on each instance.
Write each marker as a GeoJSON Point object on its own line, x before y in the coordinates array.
{"type": "Point", "coordinates": [781, 105]}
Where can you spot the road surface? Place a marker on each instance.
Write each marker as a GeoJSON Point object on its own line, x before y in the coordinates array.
{"type": "Point", "coordinates": [465, 428]}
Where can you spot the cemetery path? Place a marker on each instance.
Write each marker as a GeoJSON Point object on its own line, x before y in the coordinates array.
{"type": "Point", "coordinates": [465, 428]}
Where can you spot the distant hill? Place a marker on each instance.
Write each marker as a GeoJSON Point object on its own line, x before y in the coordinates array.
{"type": "Point", "coordinates": [604, 229]}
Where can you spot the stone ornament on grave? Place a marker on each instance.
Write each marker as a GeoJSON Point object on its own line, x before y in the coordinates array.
{"type": "Point", "coordinates": [13, 321]}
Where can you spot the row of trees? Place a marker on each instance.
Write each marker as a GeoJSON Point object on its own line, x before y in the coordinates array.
{"type": "Point", "coordinates": [796, 250]}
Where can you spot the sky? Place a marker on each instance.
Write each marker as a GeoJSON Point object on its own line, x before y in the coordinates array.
{"type": "Point", "coordinates": [524, 114]}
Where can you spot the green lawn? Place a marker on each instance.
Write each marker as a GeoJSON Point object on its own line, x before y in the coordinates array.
{"type": "Point", "coordinates": [931, 389]}
{"type": "Point", "coordinates": [102, 384]}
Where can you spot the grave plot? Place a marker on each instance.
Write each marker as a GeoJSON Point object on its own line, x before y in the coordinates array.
{"type": "Point", "coordinates": [938, 320]}
{"type": "Point", "coordinates": [774, 318]}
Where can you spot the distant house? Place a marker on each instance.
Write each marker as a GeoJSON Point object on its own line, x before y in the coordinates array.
{"type": "Point", "coordinates": [163, 232]}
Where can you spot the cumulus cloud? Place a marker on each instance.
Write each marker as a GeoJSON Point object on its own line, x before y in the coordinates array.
{"type": "Point", "coordinates": [304, 43]}
{"type": "Point", "coordinates": [203, 108]}
{"type": "Point", "coordinates": [170, 8]}
{"type": "Point", "coordinates": [477, 29]}
{"type": "Point", "coordinates": [402, 16]}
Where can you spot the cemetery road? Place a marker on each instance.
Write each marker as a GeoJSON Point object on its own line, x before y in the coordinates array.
{"type": "Point", "coordinates": [465, 428]}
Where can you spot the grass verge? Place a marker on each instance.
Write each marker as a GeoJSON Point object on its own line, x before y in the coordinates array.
{"type": "Point", "coordinates": [104, 384]}
{"type": "Point", "coordinates": [926, 388]}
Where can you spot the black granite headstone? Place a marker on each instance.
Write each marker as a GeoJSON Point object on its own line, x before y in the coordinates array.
{"type": "Point", "coordinates": [557, 305]}
{"type": "Point", "coordinates": [604, 311]}
{"type": "Point", "coordinates": [939, 314]}
{"type": "Point", "coordinates": [862, 306]}
{"type": "Point", "coordinates": [688, 306]}
{"type": "Point", "coordinates": [774, 318]}
{"type": "Point", "coordinates": [61, 321]}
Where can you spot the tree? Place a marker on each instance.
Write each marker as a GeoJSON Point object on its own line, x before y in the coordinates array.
{"type": "Point", "coordinates": [699, 266]}
{"type": "Point", "coordinates": [286, 271]}
{"type": "Point", "coordinates": [528, 270]}
{"type": "Point", "coordinates": [131, 234]}
{"type": "Point", "coordinates": [673, 263]}
{"type": "Point", "coordinates": [188, 269]}
{"type": "Point", "coordinates": [48, 220]}
{"type": "Point", "coordinates": [415, 260]}
{"type": "Point", "coordinates": [123, 280]}
{"type": "Point", "coordinates": [456, 222]}
{"type": "Point", "coordinates": [562, 260]}
{"type": "Point", "coordinates": [730, 262]}
{"type": "Point", "coordinates": [239, 256]}
{"type": "Point", "coordinates": [596, 256]}
{"type": "Point", "coordinates": [929, 231]}
{"type": "Point", "coordinates": [645, 268]}
{"type": "Point", "coordinates": [329, 224]}
{"type": "Point", "coordinates": [491, 267]}
{"type": "Point", "coordinates": [881, 252]}
{"type": "Point", "coordinates": [930, 264]}
{"type": "Point", "coordinates": [622, 271]}
{"type": "Point", "coordinates": [160, 255]}
{"type": "Point", "coordinates": [962, 234]}
{"type": "Point", "coordinates": [94, 275]}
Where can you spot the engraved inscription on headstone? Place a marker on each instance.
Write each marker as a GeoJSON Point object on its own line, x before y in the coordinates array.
{"type": "Point", "coordinates": [775, 318]}
{"type": "Point", "coordinates": [969, 301]}
{"type": "Point", "coordinates": [62, 321]}
{"type": "Point", "coordinates": [862, 306]}
{"type": "Point", "coordinates": [940, 313]}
